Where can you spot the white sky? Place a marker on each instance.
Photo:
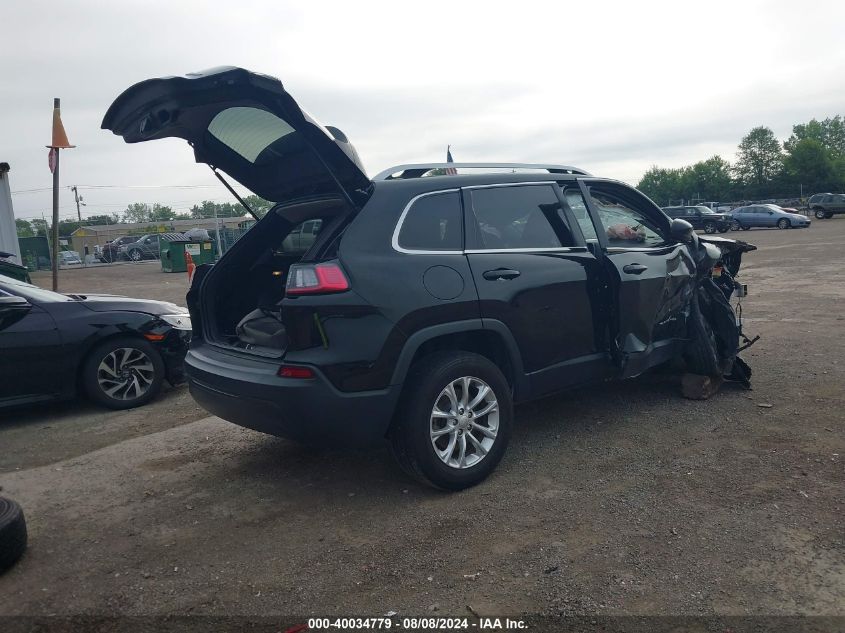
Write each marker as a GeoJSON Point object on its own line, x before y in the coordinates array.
{"type": "Point", "coordinates": [612, 87]}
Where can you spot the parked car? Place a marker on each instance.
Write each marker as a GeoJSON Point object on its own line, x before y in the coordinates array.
{"type": "Point", "coordinates": [827, 205]}
{"type": "Point", "coordinates": [701, 217]}
{"type": "Point", "coordinates": [145, 247]}
{"type": "Point", "coordinates": [767, 215]}
{"type": "Point", "coordinates": [110, 251]}
{"type": "Point", "coordinates": [68, 259]}
{"type": "Point", "coordinates": [115, 350]}
{"type": "Point", "coordinates": [425, 306]}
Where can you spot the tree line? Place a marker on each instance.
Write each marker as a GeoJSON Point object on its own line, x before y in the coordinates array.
{"type": "Point", "coordinates": [811, 160]}
{"type": "Point", "coordinates": [144, 213]}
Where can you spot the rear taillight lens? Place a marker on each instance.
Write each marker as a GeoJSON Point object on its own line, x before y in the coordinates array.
{"type": "Point", "coordinates": [306, 279]}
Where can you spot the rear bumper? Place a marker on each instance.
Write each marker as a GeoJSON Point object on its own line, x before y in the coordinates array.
{"type": "Point", "coordinates": [247, 392]}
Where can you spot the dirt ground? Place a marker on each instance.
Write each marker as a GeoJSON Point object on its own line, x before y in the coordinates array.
{"type": "Point", "coordinates": [617, 499]}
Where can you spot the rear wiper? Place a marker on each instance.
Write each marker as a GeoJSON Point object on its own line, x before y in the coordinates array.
{"type": "Point", "coordinates": [233, 192]}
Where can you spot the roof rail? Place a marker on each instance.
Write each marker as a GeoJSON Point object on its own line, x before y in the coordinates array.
{"type": "Point", "coordinates": [400, 172]}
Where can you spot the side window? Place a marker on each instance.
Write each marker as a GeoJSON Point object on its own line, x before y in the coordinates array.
{"type": "Point", "coordinates": [433, 223]}
{"type": "Point", "coordinates": [576, 204]}
{"type": "Point", "coordinates": [527, 216]}
{"type": "Point", "coordinates": [625, 225]}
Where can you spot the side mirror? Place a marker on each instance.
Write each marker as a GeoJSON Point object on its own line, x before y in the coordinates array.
{"type": "Point", "coordinates": [9, 305]}
{"type": "Point", "coordinates": [681, 230]}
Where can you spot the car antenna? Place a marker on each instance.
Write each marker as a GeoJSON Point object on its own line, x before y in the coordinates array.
{"type": "Point", "coordinates": [233, 192]}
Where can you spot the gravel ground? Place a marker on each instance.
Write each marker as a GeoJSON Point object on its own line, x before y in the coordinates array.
{"type": "Point", "coordinates": [617, 499]}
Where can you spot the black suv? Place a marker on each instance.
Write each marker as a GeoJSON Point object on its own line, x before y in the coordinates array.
{"type": "Point", "coordinates": [826, 205]}
{"type": "Point", "coordinates": [144, 247]}
{"type": "Point", "coordinates": [701, 217]}
{"type": "Point", "coordinates": [425, 305]}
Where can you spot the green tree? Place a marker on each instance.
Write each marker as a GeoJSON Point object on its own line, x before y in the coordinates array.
{"type": "Point", "coordinates": [142, 212]}
{"type": "Point", "coordinates": [662, 185]}
{"type": "Point", "coordinates": [709, 179]}
{"type": "Point", "coordinates": [161, 213]}
{"type": "Point", "coordinates": [137, 212]}
{"type": "Point", "coordinates": [96, 220]}
{"type": "Point", "coordinates": [40, 226]}
{"type": "Point", "coordinates": [759, 160]}
{"type": "Point", "coordinates": [809, 163]}
{"type": "Point", "coordinates": [24, 228]}
{"type": "Point", "coordinates": [257, 204]}
{"type": "Point", "coordinates": [830, 133]}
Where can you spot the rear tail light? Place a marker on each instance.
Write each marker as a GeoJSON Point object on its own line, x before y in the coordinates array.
{"type": "Point", "coordinates": [305, 279]}
{"type": "Point", "coordinates": [295, 371]}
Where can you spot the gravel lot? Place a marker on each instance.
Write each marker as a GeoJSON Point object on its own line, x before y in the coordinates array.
{"type": "Point", "coordinates": [618, 499]}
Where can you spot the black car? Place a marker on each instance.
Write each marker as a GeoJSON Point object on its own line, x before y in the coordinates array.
{"type": "Point", "coordinates": [826, 205]}
{"type": "Point", "coordinates": [425, 305]}
{"type": "Point", "coordinates": [115, 350]}
{"type": "Point", "coordinates": [701, 218]}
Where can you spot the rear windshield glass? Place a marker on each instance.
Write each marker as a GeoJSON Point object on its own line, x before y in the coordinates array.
{"type": "Point", "coordinates": [248, 131]}
{"type": "Point", "coordinates": [433, 223]}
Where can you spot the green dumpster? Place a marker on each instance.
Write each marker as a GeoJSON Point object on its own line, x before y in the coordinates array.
{"type": "Point", "coordinates": [174, 247]}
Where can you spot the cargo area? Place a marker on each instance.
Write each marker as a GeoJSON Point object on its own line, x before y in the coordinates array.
{"type": "Point", "coordinates": [243, 294]}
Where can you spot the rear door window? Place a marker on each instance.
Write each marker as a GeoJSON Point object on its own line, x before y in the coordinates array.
{"type": "Point", "coordinates": [519, 217]}
{"type": "Point", "coordinates": [433, 222]}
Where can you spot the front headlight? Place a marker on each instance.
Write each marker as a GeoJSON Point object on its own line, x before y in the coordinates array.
{"type": "Point", "coordinates": [178, 321]}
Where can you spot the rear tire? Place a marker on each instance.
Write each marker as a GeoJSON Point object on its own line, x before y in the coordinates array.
{"type": "Point", "coordinates": [453, 452]}
{"type": "Point", "coordinates": [783, 223]}
{"type": "Point", "coordinates": [12, 533]}
{"type": "Point", "coordinates": [123, 373]}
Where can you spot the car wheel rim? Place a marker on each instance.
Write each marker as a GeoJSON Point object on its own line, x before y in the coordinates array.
{"type": "Point", "coordinates": [820, 214]}
{"type": "Point", "coordinates": [735, 226]}
{"type": "Point", "coordinates": [464, 422]}
{"type": "Point", "coordinates": [125, 373]}
{"type": "Point", "coordinates": [709, 228]}
{"type": "Point", "coordinates": [136, 256]}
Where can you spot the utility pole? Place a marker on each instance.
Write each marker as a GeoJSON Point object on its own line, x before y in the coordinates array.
{"type": "Point", "coordinates": [58, 143]}
{"type": "Point", "coordinates": [79, 200]}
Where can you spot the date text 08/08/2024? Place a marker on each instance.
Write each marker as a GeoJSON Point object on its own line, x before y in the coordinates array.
{"type": "Point", "coordinates": [414, 624]}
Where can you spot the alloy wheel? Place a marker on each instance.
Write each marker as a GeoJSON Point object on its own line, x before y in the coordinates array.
{"type": "Point", "coordinates": [820, 214]}
{"type": "Point", "coordinates": [464, 422]}
{"type": "Point", "coordinates": [709, 228]}
{"type": "Point", "coordinates": [135, 256]}
{"type": "Point", "coordinates": [125, 373]}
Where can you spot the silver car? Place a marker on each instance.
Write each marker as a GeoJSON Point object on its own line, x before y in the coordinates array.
{"type": "Point", "coordinates": [766, 215]}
